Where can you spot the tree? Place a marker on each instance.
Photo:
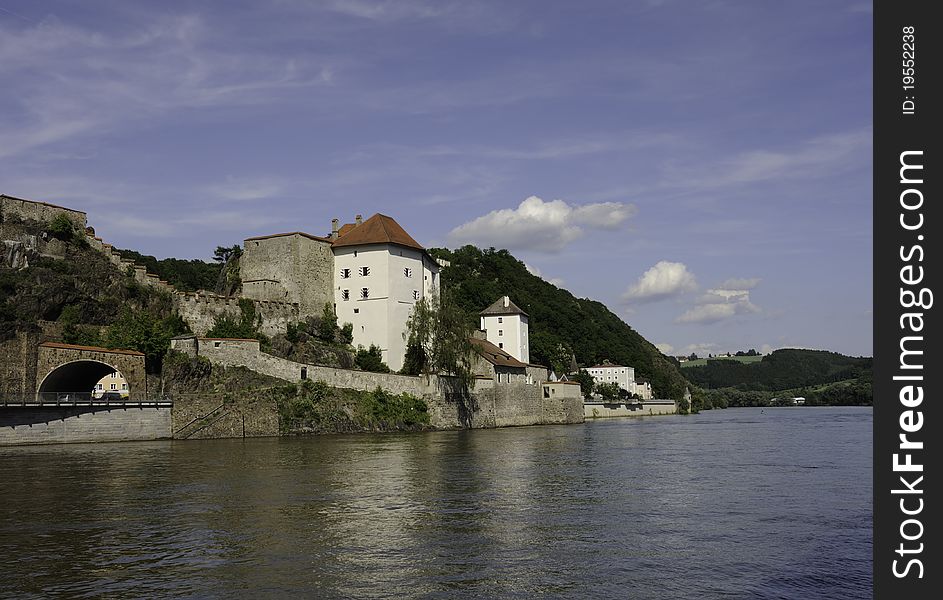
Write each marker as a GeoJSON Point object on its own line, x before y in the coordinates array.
{"type": "Point", "coordinates": [327, 328]}
{"type": "Point", "coordinates": [586, 382]}
{"type": "Point", "coordinates": [439, 332]}
{"type": "Point", "coordinates": [141, 331]}
{"type": "Point", "coordinates": [222, 254]}
{"type": "Point", "coordinates": [371, 359]}
{"type": "Point", "coordinates": [608, 391]}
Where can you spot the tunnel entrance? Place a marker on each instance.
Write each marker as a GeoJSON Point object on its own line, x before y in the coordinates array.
{"type": "Point", "coordinates": [79, 381]}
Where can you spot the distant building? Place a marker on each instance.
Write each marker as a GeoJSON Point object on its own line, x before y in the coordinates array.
{"type": "Point", "coordinates": [114, 382]}
{"type": "Point", "coordinates": [621, 375]}
{"type": "Point", "coordinates": [505, 325]}
{"type": "Point", "coordinates": [643, 388]}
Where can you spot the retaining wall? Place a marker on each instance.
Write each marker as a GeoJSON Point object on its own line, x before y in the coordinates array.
{"type": "Point", "coordinates": [642, 409]}
{"type": "Point", "coordinates": [19, 426]}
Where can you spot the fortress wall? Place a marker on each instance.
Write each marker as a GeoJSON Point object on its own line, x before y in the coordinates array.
{"type": "Point", "coordinates": [200, 310]}
{"type": "Point", "coordinates": [490, 405]}
{"type": "Point", "coordinates": [292, 268]}
{"type": "Point", "coordinates": [11, 208]}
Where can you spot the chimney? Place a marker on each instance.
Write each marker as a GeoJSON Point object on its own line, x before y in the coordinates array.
{"type": "Point", "coordinates": [333, 229]}
{"type": "Point", "coordinates": [358, 220]}
{"type": "Point", "coordinates": [507, 301]}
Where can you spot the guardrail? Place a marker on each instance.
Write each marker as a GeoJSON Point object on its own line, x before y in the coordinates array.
{"type": "Point", "coordinates": [69, 399]}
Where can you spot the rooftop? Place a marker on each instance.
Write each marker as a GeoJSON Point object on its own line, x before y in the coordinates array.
{"type": "Point", "coordinates": [503, 306]}
{"type": "Point", "coordinates": [495, 355]}
{"type": "Point", "coordinates": [378, 229]}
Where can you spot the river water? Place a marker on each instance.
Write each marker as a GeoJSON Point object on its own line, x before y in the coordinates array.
{"type": "Point", "coordinates": [739, 503]}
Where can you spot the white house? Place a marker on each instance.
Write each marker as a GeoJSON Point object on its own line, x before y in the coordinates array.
{"type": "Point", "coordinates": [505, 326]}
{"type": "Point", "coordinates": [380, 272]}
{"type": "Point", "coordinates": [623, 376]}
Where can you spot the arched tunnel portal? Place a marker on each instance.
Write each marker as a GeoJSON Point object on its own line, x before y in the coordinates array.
{"type": "Point", "coordinates": [78, 377]}
{"type": "Point", "coordinates": [67, 368]}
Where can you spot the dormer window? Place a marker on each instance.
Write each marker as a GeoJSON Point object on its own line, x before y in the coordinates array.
{"type": "Point", "coordinates": [345, 273]}
{"type": "Point", "coordinates": [363, 271]}
{"type": "Point", "coordinates": [407, 272]}
{"type": "Point", "coordinates": [364, 293]}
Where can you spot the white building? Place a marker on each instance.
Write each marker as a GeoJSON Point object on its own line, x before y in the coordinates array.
{"type": "Point", "coordinates": [624, 377]}
{"type": "Point", "coordinates": [114, 382]}
{"type": "Point", "coordinates": [505, 326]}
{"type": "Point", "coordinates": [643, 388]}
{"type": "Point", "coordinates": [380, 272]}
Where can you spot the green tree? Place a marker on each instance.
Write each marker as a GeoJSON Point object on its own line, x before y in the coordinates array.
{"type": "Point", "coordinates": [61, 227]}
{"type": "Point", "coordinates": [371, 359]}
{"type": "Point", "coordinates": [347, 333]}
{"type": "Point", "coordinates": [245, 327]}
{"type": "Point", "coordinates": [586, 382]}
{"type": "Point", "coordinates": [608, 391]}
{"type": "Point", "coordinates": [141, 331]}
{"type": "Point", "coordinates": [327, 328]}
{"type": "Point", "coordinates": [223, 254]}
{"type": "Point", "coordinates": [439, 331]}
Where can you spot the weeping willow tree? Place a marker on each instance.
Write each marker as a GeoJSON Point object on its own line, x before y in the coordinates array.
{"type": "Point", "coordinates": [437, 340]}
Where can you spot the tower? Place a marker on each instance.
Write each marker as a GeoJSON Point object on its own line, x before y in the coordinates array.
{"type": "Point", "coordinates": [505, 326]}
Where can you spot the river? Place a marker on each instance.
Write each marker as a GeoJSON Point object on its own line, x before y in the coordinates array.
{"type": "Point", "coordinates": [738, 503]}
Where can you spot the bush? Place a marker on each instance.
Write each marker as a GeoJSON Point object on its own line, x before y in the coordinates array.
{"type": "Point", "coordinates": [61, 228]}
{"type": "Point", "coordinates": [327, 328]}
{"type": "Point", "coordinates": [347, 333]}
{"type": "Point", "coordinates": [371, 359]}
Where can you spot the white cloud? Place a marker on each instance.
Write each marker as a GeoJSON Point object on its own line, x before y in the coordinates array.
{"type": "Point", "coordinates": [702, 349]}
{"type": "Point", "coordinates": [720, 303]}
{"type": "Point", "coordinates": [662, 281]}
{"type": "Point", "coordinates": [234, 188]}
{"type": "Point", "coordinates": [541, 226]}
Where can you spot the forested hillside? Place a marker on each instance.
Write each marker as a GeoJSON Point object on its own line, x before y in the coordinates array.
{"type": "Point", "coordinates": [781, 370]}
{"type": "Point", "coordinates": [565, 331]}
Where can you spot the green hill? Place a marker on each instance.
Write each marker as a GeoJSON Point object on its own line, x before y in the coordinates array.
{"type": "Point", "coordinates": [562, 327]}
{"type": "Point", "coordinates": [781, 370]}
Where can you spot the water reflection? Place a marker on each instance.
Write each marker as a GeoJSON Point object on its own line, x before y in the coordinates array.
{"type": "Point", "coordinates": [742, 504]}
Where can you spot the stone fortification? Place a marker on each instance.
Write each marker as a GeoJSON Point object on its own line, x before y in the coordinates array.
{"type": "Point", "coordinates": [492, 404]}
{"type": "Point", "coordinates": [294, 267]}
{"type": "Point", "coordinates": [28, 210]}
{"type": "Point", "coordinates": [200, 309]}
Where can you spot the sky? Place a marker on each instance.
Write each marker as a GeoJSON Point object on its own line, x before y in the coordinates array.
{"type": "Point", "coordinates": [702, 168]}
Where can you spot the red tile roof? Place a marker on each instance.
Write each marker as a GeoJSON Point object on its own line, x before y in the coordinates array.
{"type": "Point", "coordinates": [495, 355]}
{"type": "Point", "coordinates": [378, 229]}
{"type": "Point", "coordinates": [90, 348]}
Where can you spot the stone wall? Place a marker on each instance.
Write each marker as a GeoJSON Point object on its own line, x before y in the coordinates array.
{"type": "Point", "coordinates": [491, 404]}
{"type": "Point", "coordinates": [19, 426]}
{"type": "Point", "coordinates": [210, 416]}
{"type": "Point", "coordinates": [594, 410]}
{"type": "Point", "coordinates": [200, 310]}
{"type": "Point", "coordinates": [18, 365]}
{"type": "Point", "coordinates": [16, 208]}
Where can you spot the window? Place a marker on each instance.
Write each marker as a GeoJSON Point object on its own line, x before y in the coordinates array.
{"type": "Point", "coordinates": [364, 293]}
{"type": "Point", "coordinates": [500, 319]}
{"type": "Point", "coordinates": [356, 311]}
{"type": "Point", "coordinates": [501, 345]}
{"type": "Point", "coordinates": [355, 254]}
{"type": "Point", "coordinates": [114, 386]}
{"type": "Point", "coordinates": [345, 295]}
{"type": "Point", "coordinates": [216, 344]}
{"type": "Point", "coordinates": [114, 374]}
{"type": "Point", "coordinates": [345, 273]}
{"type": "Point", "coordinates": [415, 294]}
{"type": "Point", "coordinates": [500, 333]}
{"type": "Point", "coordinates": [304, 373]}
{"type": "Point", "coordinates": [124, 386]}
{"type": "Point", "coordinates": [408, 272]}
{"type": "Point", "coordinates": [363, 271]}
{"type": "Point", "coordinates": [99, 387]}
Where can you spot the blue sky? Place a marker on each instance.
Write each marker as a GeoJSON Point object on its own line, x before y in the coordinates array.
{"type": "Point", "coordinates": [702, 168]}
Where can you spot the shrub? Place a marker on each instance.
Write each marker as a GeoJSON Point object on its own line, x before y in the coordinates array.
{"type": "Point", "coordinates": [61, 227]}
{"type": "Point", "coordinates": [371, 359]}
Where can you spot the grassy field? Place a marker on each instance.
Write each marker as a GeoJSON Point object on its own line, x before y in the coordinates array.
{"type": "Point", "coordinates": [703, 361]}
